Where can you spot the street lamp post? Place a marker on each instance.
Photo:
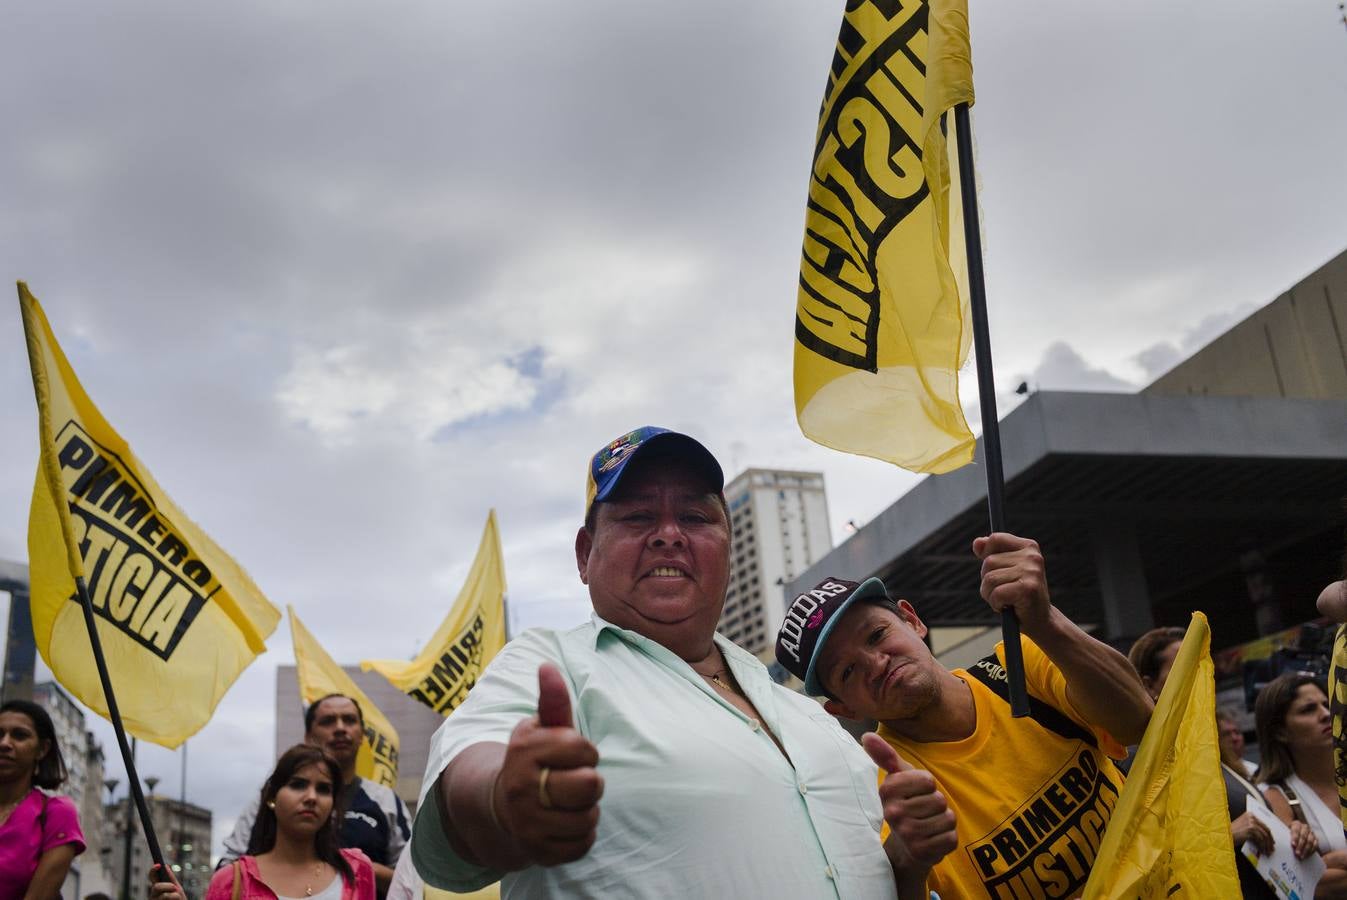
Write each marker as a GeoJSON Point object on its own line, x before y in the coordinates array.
{"type": "Point", "coordinates": [108, 829]}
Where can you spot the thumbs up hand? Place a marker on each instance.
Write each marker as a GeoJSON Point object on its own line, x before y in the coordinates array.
{"type": "Point", "coordinates": [918, 816]}
{"type": "Point", "coordinates": [547, 794]}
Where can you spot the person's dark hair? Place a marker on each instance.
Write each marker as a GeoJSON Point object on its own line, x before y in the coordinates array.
{"type": "Point", "coordinates": [1145, 653]}
{"type": "Point", "coordinates": [1269, 715]}
{"type": "Point", "coordinates": [50, 771]}
{"type": "Point", "coordinates": [890, 605]}
{"type": "Point", "coordinates": [311, 712]}
{"type": "Point", "coordinates": [263, 836]}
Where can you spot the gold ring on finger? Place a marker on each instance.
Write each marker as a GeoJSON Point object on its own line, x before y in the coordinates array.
{"type": "Point", "coordinates": [544, 798]}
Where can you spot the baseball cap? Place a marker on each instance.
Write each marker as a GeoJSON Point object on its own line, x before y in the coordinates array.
{"type": "Point", "coordinates": [606, 466]}
{"type": "Point", "coordinates": [809, 622]}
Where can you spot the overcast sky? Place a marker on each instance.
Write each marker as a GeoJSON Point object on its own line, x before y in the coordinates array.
{"type": "Point", "coordinates": [347, 275]}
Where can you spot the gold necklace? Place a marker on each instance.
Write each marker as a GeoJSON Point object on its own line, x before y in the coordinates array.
{"type": "Point", "coordinates": [317, 873]}
{"type": "Point", "coordinates": [715, 677]}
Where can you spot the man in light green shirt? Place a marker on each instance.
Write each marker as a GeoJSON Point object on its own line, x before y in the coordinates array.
{"type": "Point", "coordinates": [641, 754]}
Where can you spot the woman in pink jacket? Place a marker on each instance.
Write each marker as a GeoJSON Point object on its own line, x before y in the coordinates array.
{"type": "Point", "coordinates": [39, 832]}
{"type": "Point", "coordinates": [293, 853]}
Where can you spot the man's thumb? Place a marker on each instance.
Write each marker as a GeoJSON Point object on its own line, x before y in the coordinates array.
{"type": "Point", "coordinates": [883, 755]}
{"type": "Point", "coordinates": [554, 701]}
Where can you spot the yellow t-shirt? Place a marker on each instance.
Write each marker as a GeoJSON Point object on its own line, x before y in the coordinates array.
{"type": "Point", "coordinates": [1030, 805]}
{"type": "Point", "coordinates": [1337, 702]}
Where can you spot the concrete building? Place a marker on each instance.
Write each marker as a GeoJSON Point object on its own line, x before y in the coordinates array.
{"type": "Point", "coordinates": [1294, 347]}
{"type": "Point", "coordinates": [780, 524]}
{"type": "Point", "coordinates": [1218, 488]}
{"type": "Point", "coordinates": [414, 722]}
{"type": "Point", "coordinates": [83, 757]}
{"type": "Point", "coordinates": [68, 719]}
{"type": "Point", "coordinates": [184, 833]}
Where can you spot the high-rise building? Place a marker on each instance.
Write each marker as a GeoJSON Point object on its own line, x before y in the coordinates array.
{"type": "Point", "coordinates": [780, 522]}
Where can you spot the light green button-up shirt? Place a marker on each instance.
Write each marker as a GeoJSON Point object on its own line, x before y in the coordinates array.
{"type": "Point", "coordinates": [698, 801]}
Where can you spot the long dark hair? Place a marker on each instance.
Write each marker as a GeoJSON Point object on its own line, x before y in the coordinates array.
{"type": "Point", "coordinates": [50, 771]}
{"type": "Point", "coordinates": [263, 838]}
{"type": "Point", "coordinates": [1269, 715]}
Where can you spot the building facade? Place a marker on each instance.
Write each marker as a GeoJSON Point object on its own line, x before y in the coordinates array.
{"type": "Point", "coordinates": [1295, 347]}
{"type": "Point", "coordinates": [780, 524]}
{"type": "Point", "coordinates": [83, 756]}
{"type": "Point", "coordinates": [184, 834]}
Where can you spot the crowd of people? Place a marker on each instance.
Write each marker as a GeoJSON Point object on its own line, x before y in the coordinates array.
{"type": "Point", "coordinates": [642, 754]}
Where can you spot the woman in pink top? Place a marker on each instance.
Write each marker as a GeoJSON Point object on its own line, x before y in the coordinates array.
{"type": "Point", "coordinates": [39, 833]}
{"type": "Point", "coordinates": [293, 851]}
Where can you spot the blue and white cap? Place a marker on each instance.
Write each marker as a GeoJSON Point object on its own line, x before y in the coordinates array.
{"type": "Point", "coordinates": [606, 466]}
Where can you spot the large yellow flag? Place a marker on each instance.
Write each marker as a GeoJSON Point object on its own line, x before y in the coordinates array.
{"type": "Point", "coordinates": [880, 321]}
{"type": "Point", "coordinates": [1170, 833]}
{"type": "Point", "coordinates": [319, 676]}
{"type": "Point", "coordinates": [472, 633]}
{"type": "Point", "coordinates": [178, 619]}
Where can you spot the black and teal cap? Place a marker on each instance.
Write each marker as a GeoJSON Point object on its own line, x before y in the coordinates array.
{"type": "Point", "coordinates": [809, 622]}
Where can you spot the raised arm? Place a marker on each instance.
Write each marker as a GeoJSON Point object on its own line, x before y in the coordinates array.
{"type": "Point", "coordinates": [533, 801]}
{"type": "Point", "coordinates": [921, 824]}
{"type": "Point", "coordinates": [1100, 682]}
{"type": "Point", "coordinates": [1332, 601]}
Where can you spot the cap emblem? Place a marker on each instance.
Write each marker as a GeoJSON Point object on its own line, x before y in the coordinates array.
{"type": "Point", "coordinates": [617, 451]}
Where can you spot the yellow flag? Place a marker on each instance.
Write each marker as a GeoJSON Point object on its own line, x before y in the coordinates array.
{"type": "Point", "coordinates": [880, 319]}
{"type": "Point", "coordinates": [177, 618]}
{"type": "Point", "coordinates": [1170, 833]}
{"type": "Point", "coordinates": [449, 664]}
{"type": "Point", "coordinates": [319, 676]}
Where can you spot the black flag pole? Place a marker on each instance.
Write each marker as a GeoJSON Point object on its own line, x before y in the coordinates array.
{"type": "Point", "coordinates": [991, 428]}
{"type": "Point", "coordinates": [128, 759]}
{"type": "Point", "coordinates": [47, 469]}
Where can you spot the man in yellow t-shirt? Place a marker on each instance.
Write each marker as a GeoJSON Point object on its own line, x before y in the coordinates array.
{"type": "Point", "coordinates": [1031, 797]}
{"type": "Point", "coordinates": [1332, 602]}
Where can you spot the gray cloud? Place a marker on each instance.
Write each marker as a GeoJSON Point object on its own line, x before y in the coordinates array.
{"type": "Point", "coordinates": [1162, 356]}
{"type": "Point", "coordinates": [1062, 368]}
{"type": "Point", "coordinates": [346, 278]}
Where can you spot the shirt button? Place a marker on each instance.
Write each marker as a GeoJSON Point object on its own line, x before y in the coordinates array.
{"type": "Point", "coordinates": [804, 788]}
{"type": "Point", "coordinates": [830, 872]}
{"type": "Point", "coordinates": [755, 725]}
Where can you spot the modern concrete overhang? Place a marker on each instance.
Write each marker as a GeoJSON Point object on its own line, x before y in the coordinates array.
{"type": "Point", "coordinates": [1146, 507]}
{"type": "Point", "coordinates": [13, 576]}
